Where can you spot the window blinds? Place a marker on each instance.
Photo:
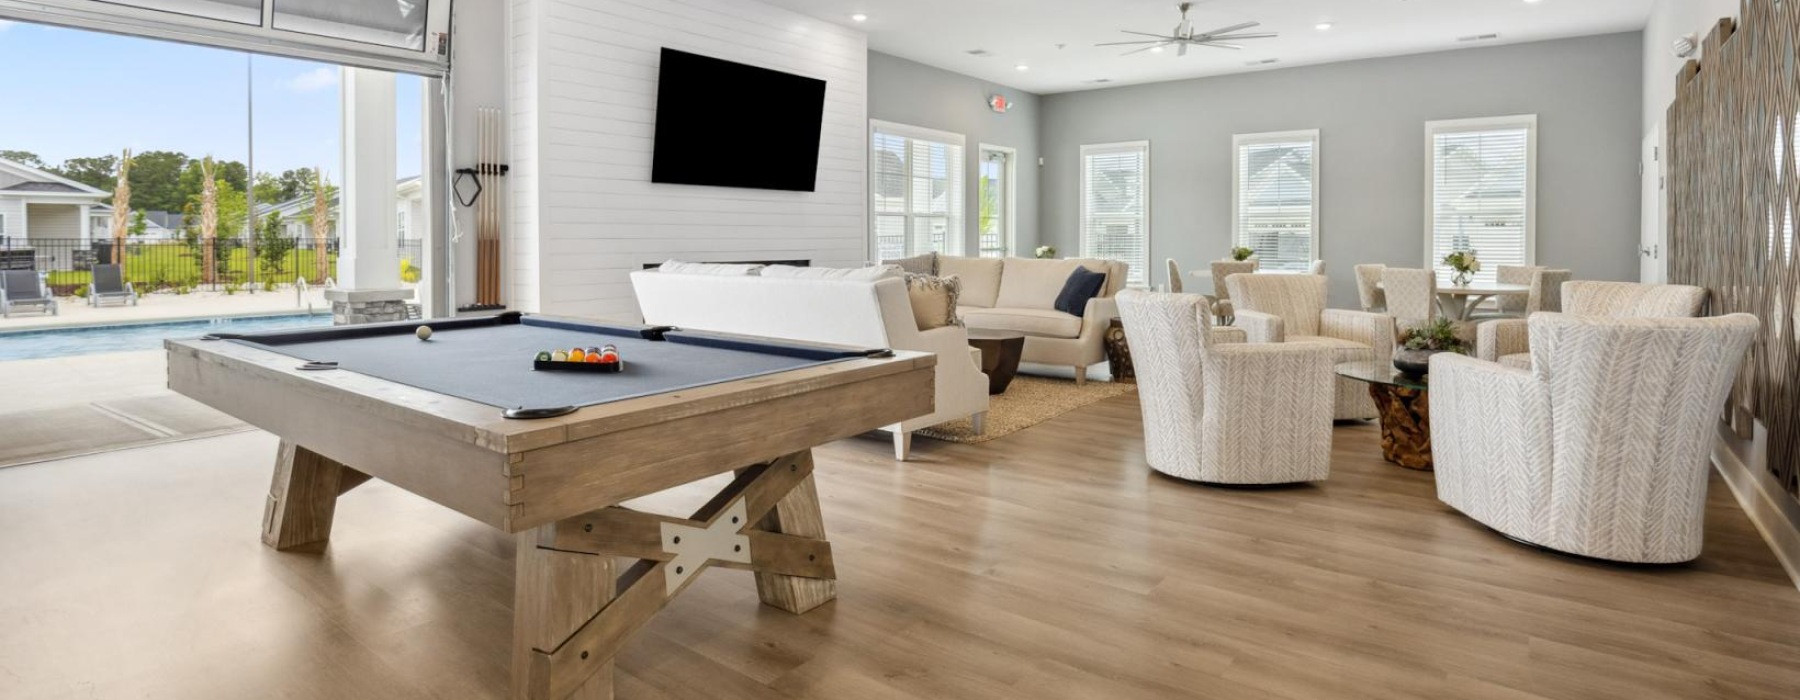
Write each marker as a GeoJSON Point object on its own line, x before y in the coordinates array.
{"type": "Point", "coordinates": [1275, 207]}
{"type": "Point", "coordinates": [916, 191]}
{"type": "Point", "coordinates": [1115, 206]}
{"type": "Point", "coordinates": [1482, 194]}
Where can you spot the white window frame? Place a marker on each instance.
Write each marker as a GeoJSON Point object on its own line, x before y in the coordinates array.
{"type": "Point", "coordinates": [1008, 199]}
{"type": "Point", "coordinates": [1529, 122]}
{"type": "Point", "coordinates": [957, 228]}
{"type": "Point", "coordinates": [2, 223]}
{"type": "Point", "coordinates": [1238, 142]}
{"type": "Point", "coordinates": [1138, 271]}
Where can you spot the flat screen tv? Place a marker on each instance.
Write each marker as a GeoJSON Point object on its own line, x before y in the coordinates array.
{"type": "Point", "coordinates": [731, 125]}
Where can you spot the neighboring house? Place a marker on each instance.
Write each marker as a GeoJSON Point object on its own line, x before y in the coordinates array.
{"type": "Point", "coordinates": [296, 214]}
{"type": "Point", "coordinates": [38, 205]}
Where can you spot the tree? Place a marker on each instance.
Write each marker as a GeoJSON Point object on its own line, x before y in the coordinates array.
{"type": "Point", "coordinates": [121, 203]}
{"type": "Point", "coordinates": [320, 219]}
{"type": "Point", "coordinates": [157, 182]}
{"type": "Point", "coordinates": [139, 223]}
{"type": "Point", "coordinates": [22, 158]}
{"type": "Point", "coordinates": [99, 172]}
{"type": "Point", "coordinates": [273, 243]}
{"type": "Point", "coordinates": [209, 221]}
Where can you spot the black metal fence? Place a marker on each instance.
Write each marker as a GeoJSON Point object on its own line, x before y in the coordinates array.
{"type": "Point", "coordinates": [173, 263]}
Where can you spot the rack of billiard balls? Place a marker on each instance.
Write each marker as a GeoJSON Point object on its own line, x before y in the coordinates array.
{"type": "Point", "coordinates": [603, 359]}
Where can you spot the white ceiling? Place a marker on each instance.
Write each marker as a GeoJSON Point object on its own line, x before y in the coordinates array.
{"type": "Point", "coordinates": [939, 32]}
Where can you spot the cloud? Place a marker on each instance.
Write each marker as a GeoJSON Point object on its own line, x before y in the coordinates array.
{"type": "Point", "coordinates": [314, 80]}
{"type": "Point", "coordinates": [5, 25]}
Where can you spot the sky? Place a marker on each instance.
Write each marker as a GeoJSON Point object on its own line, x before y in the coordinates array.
{"type": "Point", "coordinates": [69, 93]}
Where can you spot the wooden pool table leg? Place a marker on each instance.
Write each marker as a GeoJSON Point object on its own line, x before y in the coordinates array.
{"type": "Point", "coordinates": [554, 595]}
{"type": "Point", "coordinates": [303, 497]}
{"type": "Point", "coordinates": [796, 514]}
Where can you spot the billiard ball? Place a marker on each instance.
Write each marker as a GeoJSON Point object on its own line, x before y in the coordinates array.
{"type": "Point", "coordinates": [559, 356]}
{"type": "Point", "coordinates": [424, 332]}
{"type": "Point", "coordinates": [609, 357]}
{"type": "Point", "coordinates": [593, 357]}
{"type": "Point", "coordinates": [543, 357]}
{"type": "Point", "coordinates": [577, 355]}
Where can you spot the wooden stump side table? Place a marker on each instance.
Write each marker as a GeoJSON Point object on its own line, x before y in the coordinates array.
{"type": "Point", "coordinates": [1118, 353]}
{"type": "Point", "coordinates": [1405, 408]}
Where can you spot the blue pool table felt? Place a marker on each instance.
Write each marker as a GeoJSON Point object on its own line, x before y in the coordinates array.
{"type": "Point", "coordinates": [493, 364]}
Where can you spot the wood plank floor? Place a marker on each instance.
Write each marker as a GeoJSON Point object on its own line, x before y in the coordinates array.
{"type": "Point", "coordinates": [1049, 564]}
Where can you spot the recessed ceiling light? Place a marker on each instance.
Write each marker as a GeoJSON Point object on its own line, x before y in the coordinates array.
{"type": "Point", "coordinates": [859, 17]}
{"type": "Point", "coordinates": [1021, 68]}
{"type": "Point", "coordinates": [1322, 26]}
{"type": "Point", "coordinates": [1533, 2]}
{"type": "Point", "coordinates": [1156, 49]}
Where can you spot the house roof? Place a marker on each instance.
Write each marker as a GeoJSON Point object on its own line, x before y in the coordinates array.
{"type": "Point", "coordinates": [35, 177]}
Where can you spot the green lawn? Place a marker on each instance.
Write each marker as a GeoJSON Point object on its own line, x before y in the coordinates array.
{"type": "Point", "coordinates": [151, 267]}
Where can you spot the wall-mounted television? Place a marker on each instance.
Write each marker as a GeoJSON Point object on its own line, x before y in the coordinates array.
{"type": "Point", "coordinates": [727, 124]}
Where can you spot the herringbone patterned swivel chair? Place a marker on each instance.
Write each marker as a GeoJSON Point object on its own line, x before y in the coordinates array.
{"type": "Point", "coordinates": [1508, 341]}
{"type": "Point", "coordinates": [1226, 413]}
{"type": "Point", "coordinates": [1600, 449]}
{"type": "Point", "coordinates": [1291, 309]}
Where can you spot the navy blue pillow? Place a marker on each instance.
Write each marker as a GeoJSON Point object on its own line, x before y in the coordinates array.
{"type": "Point", "coordinates": [1083, 284]}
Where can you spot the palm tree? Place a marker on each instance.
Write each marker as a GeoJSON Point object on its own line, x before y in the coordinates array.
{"type": "Point", "coordinates": [209, 220]}
{"type": "Point", "coordinates": [121, 209]}
{"type": "Point", "coordinates": [320, 227]}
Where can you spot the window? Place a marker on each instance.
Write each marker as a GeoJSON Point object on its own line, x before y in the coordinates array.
{"type": "Point", "coordinates": [1115, 206]}
{"type": "Point", "coordinates": [995, 202]}
{"type": "Point", "coordinates": [916, 191]}
{"type": "Point", "coordinates": [2, 224]}
{"type": "Point", "coordinates": [1481, 191]}
{"type": "Point", "coordinates": [1275, 198]}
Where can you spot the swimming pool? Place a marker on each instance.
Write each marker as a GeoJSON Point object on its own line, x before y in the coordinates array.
{"type": "Point", "coordinates": [85, 340]}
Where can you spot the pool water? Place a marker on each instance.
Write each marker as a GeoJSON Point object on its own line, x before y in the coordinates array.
{"type": "Point", "coordinates": [63, 342]}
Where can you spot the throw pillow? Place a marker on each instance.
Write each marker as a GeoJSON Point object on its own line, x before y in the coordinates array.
{"type": "Point", "coordinates": [933, 300]}
{"type": "Point", "coordinates": [1083, 284]}
{"type": "Point", "coordinates": [926, 264]}
{"type": "Point", "coordinates": [858, 274]}
{"type": "Point", "coordinates": [720, 269]}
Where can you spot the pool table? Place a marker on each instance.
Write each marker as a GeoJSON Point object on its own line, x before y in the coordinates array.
{"type": "Point", "coordinates": [463, 419]}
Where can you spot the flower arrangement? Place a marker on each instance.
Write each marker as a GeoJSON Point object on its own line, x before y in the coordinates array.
{"type": "Point", "coordinates": [1045, 252]}
{"type": "Point", "coordinates": [1464, 263]}
{"type": "Point", "coordinates": [1438, 336]}
{"type": "Point", "coordinates": [1240, 253]}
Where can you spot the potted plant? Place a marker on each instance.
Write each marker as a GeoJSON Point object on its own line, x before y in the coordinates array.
{"type": "Point", "coordinates": [1465, 264]}
{"type": "Point", "coordinates": [1045, 252]}
{"type": "Point", "coordinates": [1241, 253]}
{"type": "Point", "coordinates": [1419, 343]}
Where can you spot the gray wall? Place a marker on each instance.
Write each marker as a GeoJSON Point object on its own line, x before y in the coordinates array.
{"type": "Point", "coordinates": [915, 94]}
{"type": "Point", "coordinates": [1371, 114]}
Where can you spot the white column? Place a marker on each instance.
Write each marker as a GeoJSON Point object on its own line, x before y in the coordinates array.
{"type": "Point", "coordinates": [368, 259]}
{"type": "Point", "coordinates": [87, 224]}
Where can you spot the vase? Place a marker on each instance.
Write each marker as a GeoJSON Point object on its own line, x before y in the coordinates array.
{"type": "Point", "coordinates": [1461, 278]}
{"type": "Point", "coordinates": [1414, 362]}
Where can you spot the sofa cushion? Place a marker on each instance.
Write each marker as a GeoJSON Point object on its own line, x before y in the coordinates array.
{"type": "Point", "coordinates": [1346, 350]}
{"type": "Point", "coordinates": [720, 269]}
{"type": "Point", "coordinates": [1033, 284]}
{"type": "Point", "coordinates": [859, 274]}
{"type": "Point", "coordinates": [980, 278]}
{"type": "Point", "coordinates": [1114, 282]}
{"type": "Point", "coordinates": [926, 264]}
{"type": "Point", "coordinates": [1083, 284]}
{"type": "Point", "coordinates": [933, 300]}
{"type": "Point", "coordinates": [1045, 323]}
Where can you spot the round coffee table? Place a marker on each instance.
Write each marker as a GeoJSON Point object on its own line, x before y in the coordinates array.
{"type": "Point", "coordinates": [1000, 353]}
{"type": "Point", "coordinates": [1405, 410]}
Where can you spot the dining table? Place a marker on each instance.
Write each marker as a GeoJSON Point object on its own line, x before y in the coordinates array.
{"type": "Point", "coordinates": [1457, 302]}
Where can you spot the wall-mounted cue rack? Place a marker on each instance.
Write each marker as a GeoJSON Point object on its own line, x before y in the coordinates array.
{"type": "Point", "coordinates": [486, 197]}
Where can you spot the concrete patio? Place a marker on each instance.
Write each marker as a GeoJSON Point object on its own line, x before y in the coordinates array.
{"type": "Point", "coordinates": [165, 306]}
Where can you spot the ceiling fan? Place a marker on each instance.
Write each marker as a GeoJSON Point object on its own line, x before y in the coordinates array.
{"type": "Point", "coordinates": [1185, 36]}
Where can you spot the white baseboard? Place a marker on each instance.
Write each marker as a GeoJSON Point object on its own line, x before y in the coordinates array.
{"type": "Point", "coordinates": [1774, 512]}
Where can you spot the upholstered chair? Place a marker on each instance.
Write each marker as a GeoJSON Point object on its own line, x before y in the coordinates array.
{"type": "Point", "coordinates": [1291, 309]}
{"type": "Point", "coordinates": [1411, 295]}
{"type": "Point", "coordinates": [1513, 305]}
{"type": "Point", "coordinates": [1546, 290]}
{"type": "Point", "coordinates": [1508, 342]}
{"type": "Point", "coordinates": [1317, 267]}
{"type": "Point", "coordinates": [1221, 412]}
{"type": "Point", "coordinates": [1221, 270]}
{"type": "Point", "coordinates": [1601, 448]}
{"type": "Point", "coordinates": [1368, 277]}
{"type": "Point", "coordinates": [1174, 275]}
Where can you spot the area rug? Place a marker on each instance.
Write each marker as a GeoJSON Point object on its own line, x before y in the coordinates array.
{"type": "Point", "coordinates": [1028, 401]}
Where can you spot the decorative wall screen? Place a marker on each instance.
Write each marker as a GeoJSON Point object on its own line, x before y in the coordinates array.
{"type": "Point", "coordinates": [1734, 193]}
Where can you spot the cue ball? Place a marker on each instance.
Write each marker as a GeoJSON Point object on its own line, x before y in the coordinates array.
{"type": "Point", "coordinates": [424, 332]}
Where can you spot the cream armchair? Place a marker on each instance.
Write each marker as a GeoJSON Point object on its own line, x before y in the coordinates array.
{"type": "Point", "coordinates": [1601, 448]}
{"type": "Point", "coordinates": [1222, 412]}
{"type": "Point", "coordinates": [1291, 309]}
{"type": "Point", "coordinates": [1508, 341]}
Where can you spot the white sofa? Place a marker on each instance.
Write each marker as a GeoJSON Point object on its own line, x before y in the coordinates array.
{"type": "Point", "coordinates": [876, 314]}
{"type": "Point", "coordinates": [1019, 294]}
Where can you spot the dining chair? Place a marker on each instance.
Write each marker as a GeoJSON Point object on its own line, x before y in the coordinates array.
{"type": "Point", "coordinates": [1291, 309]}
{"type": "Point", "coordinates": [1546, 290]}
{"type": "Point", "coordinates": [1174, 276]}
{"type": "Point", "coordinates": [1411, 296]}
{"type": "Point", "coordinates": [1508, 341]}
{"type": "Point", "coordinates": [1368, 289]}
{"type": "Point", "coordinates": [1221, 269]}
{"type": "Point", "coordinates": [1513, 305]}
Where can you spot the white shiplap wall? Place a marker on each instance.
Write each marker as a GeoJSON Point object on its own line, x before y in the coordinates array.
{"type": "Point", "coordinates": [583, 114]}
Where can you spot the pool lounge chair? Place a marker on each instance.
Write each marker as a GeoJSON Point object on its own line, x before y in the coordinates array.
{"type": "Point", "coordinates": [109, 283]}
{"type": "Point", "coordinates": [20, 288]}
